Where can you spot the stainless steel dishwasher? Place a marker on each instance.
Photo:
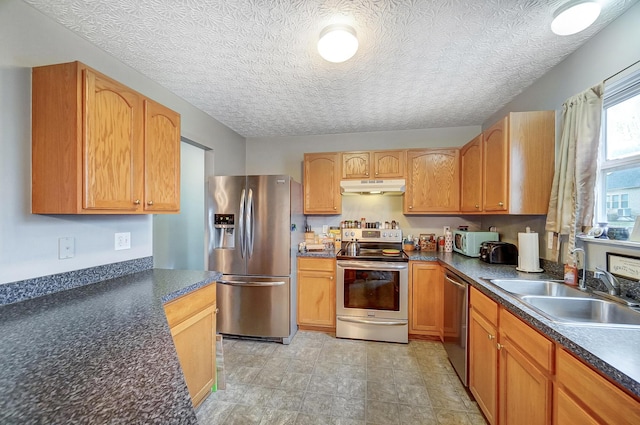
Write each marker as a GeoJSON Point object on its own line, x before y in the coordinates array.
{"type": "Point", "coordinates": [456, 322]}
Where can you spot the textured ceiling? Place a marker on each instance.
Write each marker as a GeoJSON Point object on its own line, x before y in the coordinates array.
{"type": "Point", "coordinates": [253, 65]}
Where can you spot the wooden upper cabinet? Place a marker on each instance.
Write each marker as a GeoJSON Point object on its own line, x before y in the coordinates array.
{"type": "Point", "coordinates": [433, 181]}
{"type": "Point", "coordinates": [96, 147]}
{"type": "Point", "coordinates": [471, 176]}
{"type": "Point", "coordinates": [373, 165]}
{"type": "Point", "coordinates": [518, 163]}
{"type": "Point", "coordinates": [162, 158]}
{"type": "Point", "coordinates": [496, 167]}
{"type": "Point", "coordinates": [322, 183]}
{"type": "Point", "coordinates": [356, 165]}
{"type": "Point", "coordinates": [389, 164]}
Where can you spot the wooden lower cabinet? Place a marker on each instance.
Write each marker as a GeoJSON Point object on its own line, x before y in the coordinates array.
{"type": "Point", "coordinates": [510, 365]}
{"type": "Point", "coordinates": [192, 320]}
{"type": "Point", "coordinates": [583, 396]}
{"type": "Point", "coordinates": [425, 300]}
{"type": "Point", "coordinates": [317, 293]}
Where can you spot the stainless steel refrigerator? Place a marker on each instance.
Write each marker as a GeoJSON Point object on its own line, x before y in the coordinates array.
{"type": "Point", "coordinates": [254, 225]}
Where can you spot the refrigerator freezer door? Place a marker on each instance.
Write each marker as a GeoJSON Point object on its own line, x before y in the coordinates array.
{"type": "Point", "coordinates": [225, 196]}
{"type": "Point", "coordinates": [268, 225]}
{"type": "Point", "coordinates": [254, 306]}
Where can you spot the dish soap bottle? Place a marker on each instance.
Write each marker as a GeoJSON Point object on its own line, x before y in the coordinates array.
{"type": "Point", "coordinates": [571, 273]}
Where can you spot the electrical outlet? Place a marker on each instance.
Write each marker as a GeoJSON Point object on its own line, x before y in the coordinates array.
{"type": "Point", "coordinates": [66, 248]}
{"type": "Point", "coordinates": [123, 241]}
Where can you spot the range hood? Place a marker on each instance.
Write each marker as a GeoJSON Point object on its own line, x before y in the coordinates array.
{"type": "Point", "coordinates": [386, 187]}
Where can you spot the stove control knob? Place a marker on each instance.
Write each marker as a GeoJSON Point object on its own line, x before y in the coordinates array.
{"type": "Point", "coordinates": [353, 233]}
{"type": "Point", "coordinates": [384, 235]}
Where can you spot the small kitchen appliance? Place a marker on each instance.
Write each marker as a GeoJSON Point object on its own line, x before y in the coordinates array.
{"type": "Point", "coordinates": [372, 286]}
{"type": "Point", "coordinates": [468, 243]}
{"type": "Point", "coordinates": [495, 252]}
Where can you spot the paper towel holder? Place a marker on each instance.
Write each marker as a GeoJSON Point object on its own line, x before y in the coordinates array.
{"type": "Point", "coordinates": [528, 252]}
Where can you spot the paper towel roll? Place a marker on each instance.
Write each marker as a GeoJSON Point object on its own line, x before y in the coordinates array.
{"type": "Point", "coordinates": [528, 253]}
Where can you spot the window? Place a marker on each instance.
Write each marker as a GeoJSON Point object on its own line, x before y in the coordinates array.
{"type": "Point", "coordinates": [619, 165]}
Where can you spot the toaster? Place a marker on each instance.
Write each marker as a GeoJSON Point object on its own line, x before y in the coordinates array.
{"type": "Point", "coordinates": [495, 252]}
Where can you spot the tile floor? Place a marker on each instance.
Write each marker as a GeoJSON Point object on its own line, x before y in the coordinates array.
{"type": "Point", "coordinates": [319, 379]}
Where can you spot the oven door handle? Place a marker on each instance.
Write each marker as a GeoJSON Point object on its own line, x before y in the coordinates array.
{"type": "Point", "coordinates": [372, 265]}
{"type": "Point", "coordinates": [373, 322]}
{"type": "Point", "coordinates": [458, 284]}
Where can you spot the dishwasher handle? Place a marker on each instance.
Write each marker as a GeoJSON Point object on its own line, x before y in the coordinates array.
{"type": "Point", "coordinates": [455, 282]}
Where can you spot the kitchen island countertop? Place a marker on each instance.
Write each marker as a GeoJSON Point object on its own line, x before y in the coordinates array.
{"type": "Point", "coordinates": [100, 353]}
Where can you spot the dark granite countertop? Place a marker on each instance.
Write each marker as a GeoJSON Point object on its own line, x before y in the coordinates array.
{"type": "Point", "coordinates": [329, 253]}
{"type": "Point", "coordinates": [613, 351]}
{"type": "Point", "coordinates": [100, 353]}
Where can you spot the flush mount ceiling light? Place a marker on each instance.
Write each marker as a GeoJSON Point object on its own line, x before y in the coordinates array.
{"type": "Point", "coordinates": [574, 17]}
{"type": "Point", "coordinates": [337, 43]}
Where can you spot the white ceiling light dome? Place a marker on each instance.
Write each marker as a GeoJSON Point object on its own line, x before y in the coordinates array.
{"type": "Point", "coordinates": [574, 17]}
{"type": "Point", "coordinates": [337, 43]}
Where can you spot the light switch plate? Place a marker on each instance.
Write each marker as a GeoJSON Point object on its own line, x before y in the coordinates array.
{"type": "Point", "coordinates": [123, 241]}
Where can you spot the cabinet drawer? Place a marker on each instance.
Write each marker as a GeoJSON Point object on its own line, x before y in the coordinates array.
{"type": "Point", "coordinates": [187, 305]}
{"type": "Point", "coordinates": [317, 264]}
{"type": "Point", "coordinates": [538, 347]}
{"type": "Point", "coordinates": [484, 305]}
{"type": "Point", "coordinates": [607, 401]}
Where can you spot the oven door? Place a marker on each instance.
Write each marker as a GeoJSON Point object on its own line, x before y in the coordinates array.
{"type": "Point", "coordinates": [372, 289]}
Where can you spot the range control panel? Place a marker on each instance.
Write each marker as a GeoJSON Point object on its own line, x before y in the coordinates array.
{"type": "Point", "coordinates": [372, 235]}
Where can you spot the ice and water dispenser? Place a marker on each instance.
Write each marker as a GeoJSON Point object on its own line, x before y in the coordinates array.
{"type": "Point", "coordinates": [224, 231]}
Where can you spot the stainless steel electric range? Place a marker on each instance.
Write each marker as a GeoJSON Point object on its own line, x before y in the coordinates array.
{"type": "Point", "coordinates": [372, 287]}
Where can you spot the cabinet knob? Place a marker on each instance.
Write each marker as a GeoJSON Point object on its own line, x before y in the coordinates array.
{"type": "Point", "coordinates": [501, 204]}
{"type": "Point", "coordinates": [150, 203]}
{"type": "Point", "coordinates": [330, 277]}
{"type": "Point", "coordinates": [499, 346]}
{"type": "Point", "coordinates": [376, 174]}
{"type": "Point", "coordinates": [137, 202]}
{"type": "Point", "coordinates": [410, 207]}
{"type": "Point", "coordinates": [335, 208]}
{"type": "Point", "coordinates": [216, 310]}
{"type": "Point", "coordinates": [490, 336]}
{"type": "Point", "coordinates": [477, 206]}
{"type": "Point", "coordinates": [366, 174]}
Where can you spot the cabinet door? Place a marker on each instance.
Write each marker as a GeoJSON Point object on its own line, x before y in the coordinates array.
{"type": "Point", "coordinates": [316, 299]}
{"type": "Point", "coordinates": [568, 412]}
{"type": "Point", "coordinates": [495, 167]}
{"type": "Point", "coordinates": [356, 165]}
{"type": "Point", "coordinates": [162, 158]}
{"type": "Point", "coordinates": [322, 184]}
{"type": "Point", "coordinates": [195, 343]}
{"type": "Point", "coordinates": [471, 176]}
{"type": "Point", "coordinates": [483, 364]}
{"type": "Point", "coordinates": [525, 392]}
{"type": "Point", "coordinates": [433, 181]}
{"type": "Point", "coordinates": [388, 164]}
{"type": "Point", "coordinates": [112, 145]}
{"type": "Point", "coordinates": [425, 305]}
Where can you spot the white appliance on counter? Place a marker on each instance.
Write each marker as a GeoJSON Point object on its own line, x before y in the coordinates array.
{"type": "Point", "coordinates": [254, 225]}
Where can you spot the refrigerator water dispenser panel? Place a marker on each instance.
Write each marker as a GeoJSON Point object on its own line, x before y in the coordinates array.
{"type": "Point", "coordinates": [224, 231]}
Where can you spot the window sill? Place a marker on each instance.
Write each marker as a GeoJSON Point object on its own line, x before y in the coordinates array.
{"type": "Point", "coordinates": [612, 242]}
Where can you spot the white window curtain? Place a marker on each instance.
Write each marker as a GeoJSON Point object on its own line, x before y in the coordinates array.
{"type": "Point", "coordinates": [572, 202]}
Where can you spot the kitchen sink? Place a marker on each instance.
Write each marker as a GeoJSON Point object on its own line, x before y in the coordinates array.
{"type": "Point", "coordinates": [584, 311]}
{"type": "Point", "coordinates": [547, 288]}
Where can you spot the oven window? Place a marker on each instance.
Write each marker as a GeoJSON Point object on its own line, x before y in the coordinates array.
{"type": "Point", "coordinates": [372, 289]}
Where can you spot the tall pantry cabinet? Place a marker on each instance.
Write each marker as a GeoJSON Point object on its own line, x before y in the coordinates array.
{"type": "Point", "coordinates": [99, 147]}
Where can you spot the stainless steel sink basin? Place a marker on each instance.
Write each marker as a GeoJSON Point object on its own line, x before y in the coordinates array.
{"type": "Point", "coordinates": [538, 287]}
{"type": "Point", "coordinates": [584, 311]}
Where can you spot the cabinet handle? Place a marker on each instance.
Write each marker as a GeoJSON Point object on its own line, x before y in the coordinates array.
{"type": "Point", "coordinates": [136, 202]}
{"type": "Point", "coordinates": [499, 346]}
{"type": "Point", "coordinates": [501, 204]}
{"type": "Point", "coordinates": [150, 203]}
{"type": "Point", "coordinates": [490, 336]}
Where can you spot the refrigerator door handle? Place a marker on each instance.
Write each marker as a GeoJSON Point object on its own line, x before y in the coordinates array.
{"type": "Point", "coordinates": [241, 237]}
{"type": "Point", "coordinates": [243, 283]}
{"type": "Point", "coordinates": [250, 224]}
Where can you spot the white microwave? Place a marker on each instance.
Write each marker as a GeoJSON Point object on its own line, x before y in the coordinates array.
{"type": "Point", "coordinates": [468, 243]}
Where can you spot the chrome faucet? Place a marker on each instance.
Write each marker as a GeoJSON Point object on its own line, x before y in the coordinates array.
{"type": "Point", "coordinates": [610, 280]}
{"type": "Point", "coordinates": [582, 282]}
